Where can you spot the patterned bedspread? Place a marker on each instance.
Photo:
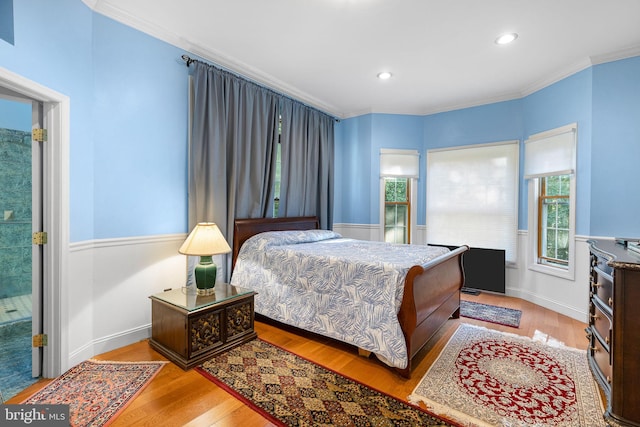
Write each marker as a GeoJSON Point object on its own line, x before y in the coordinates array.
{"type": "Point", "coordinates": [350, 290]}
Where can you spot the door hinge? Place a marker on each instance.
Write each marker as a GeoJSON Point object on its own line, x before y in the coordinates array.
{"type": "Point", "coordinates": [39, 237]}
{"type": "Point", "coordinates": [39, 135]}
{"type": "Point", "coordinates": [39, 340]}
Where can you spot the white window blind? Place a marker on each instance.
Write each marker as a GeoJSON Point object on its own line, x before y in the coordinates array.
{"type": "Point", "coordinates": [399, 163]}
{"type": "Point", "coordinates": [550, 153]}
{"type": "Point", "coordinates": [472, 196]}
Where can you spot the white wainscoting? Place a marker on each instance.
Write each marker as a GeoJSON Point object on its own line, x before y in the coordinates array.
{"type": "Point", "coordinates": [358, 231]}
{"type": "Point", "coordinates": [110, 284]}
{"type": "Point", "coordinates": [110, 281]}
{"type": "Point", "coordinates": [568, 297]}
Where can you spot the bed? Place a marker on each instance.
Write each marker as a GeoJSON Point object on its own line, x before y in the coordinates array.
{"type": "Point", "coordinates": [383, 304]}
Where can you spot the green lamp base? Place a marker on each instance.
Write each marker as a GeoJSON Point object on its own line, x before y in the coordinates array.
{"type": "Point", "coordinates": [205, 273]}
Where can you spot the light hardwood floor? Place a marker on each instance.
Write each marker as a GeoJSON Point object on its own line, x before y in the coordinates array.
{"type": "Point", "coordinates": [179, 398]}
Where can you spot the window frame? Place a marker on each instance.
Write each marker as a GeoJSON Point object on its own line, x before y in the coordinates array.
{"type": "Point", "coordinates": [395, 203]}
{"type": "Point", "coordinates": [535, 214]}
{"type": "Point", "coordinates": [541, 230]}
{"type": "Point", "coordinates": [413, 196]}
{"type": "Point", "coordinates": [399, 163]}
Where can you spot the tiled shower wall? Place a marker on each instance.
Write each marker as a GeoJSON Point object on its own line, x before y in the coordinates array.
{"type": "Point", "coordinates": [15, 213]}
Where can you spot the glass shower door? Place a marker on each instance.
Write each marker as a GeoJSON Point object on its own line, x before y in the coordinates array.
{"type": "Point", "coordinates": [17, 215]}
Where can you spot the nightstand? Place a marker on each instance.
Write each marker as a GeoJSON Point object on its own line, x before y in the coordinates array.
{"type": "Point", "coordinates": [188, 328]}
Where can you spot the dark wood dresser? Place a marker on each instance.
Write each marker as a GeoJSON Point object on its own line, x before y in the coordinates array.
{"type": "Point", "coordinates": [614, 328]}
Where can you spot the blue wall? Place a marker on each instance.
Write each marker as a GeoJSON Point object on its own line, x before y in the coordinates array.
{"type": "Point", "coordinates": [140, 133]}
{"type": "Point", "coordinates": [15, 115]}
{"type": "Point", "coordinates": [563, 103]}
{"type": "Point", "coordinates": [496, 122]}
{"type": "Point", "coordinates": [128, 101]}
{"type": "Point", "coordinates": [6, 20]}
{"type": "Point", "coordinates": [353, 171]}
{"type": "Point", "coordinates": [128, 133]}
{"type": "Point", "coordinates": [359, 140]}
{"type": "Point", "coordinates": [603, 100]}
{"type": "Point", "coordinates": [615, 159]}
{"type": "Point", "coordinates": [56, 53]}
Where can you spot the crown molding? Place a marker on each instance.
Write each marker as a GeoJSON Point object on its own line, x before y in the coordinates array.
{"type": "Point", "coordinates": [581, 65]}
{"type": "Point", "coordinates": [251, 73]}
{"type": "Point", "coordinates": [556, 76]}
{"type": "Point", "coordinates": [210, 55]}
{"type": "Point", "coordinates": [629, 52]}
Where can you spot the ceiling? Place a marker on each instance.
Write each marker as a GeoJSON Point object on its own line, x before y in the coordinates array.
{"type": "Point", "coordinates": [441, 53]}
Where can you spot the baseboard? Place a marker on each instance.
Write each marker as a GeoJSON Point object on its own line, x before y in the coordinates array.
{"type": "Point", "coordinates": [105, 344]}
{"type": "Point", "coordinates": [572, 312]}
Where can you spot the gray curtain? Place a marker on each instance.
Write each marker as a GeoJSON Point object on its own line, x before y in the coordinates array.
{"type": "Point", "coordinates": [233, 154]}
{"type": "Point", "coordinates": [307, 147]}
{"type": "Point", "coordinates": [233, 150]}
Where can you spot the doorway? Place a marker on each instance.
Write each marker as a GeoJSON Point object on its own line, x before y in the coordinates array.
{"type": "Point", "coordinates": [55, 113]}
{"type": "Point", "coordinates": [21, 214]}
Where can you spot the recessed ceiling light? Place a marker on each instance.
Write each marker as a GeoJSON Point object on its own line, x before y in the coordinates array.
{"type": "Point", "coordinates": [385, 75]}
{"type": "Point", "coordinates": [506, 38]}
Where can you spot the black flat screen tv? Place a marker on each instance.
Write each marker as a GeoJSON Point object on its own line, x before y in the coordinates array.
{"type": "Point", "coordinates": [484, 269]}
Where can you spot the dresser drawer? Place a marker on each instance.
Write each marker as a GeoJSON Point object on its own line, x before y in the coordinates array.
{"type": "Point", "coordinates": [602, 361]}
{"type": "Point", "coordinates": [600, 263]}
{"type": "Point", "coordinates": [602, 284]}
{"type": "Point", "coordinates": [600, 323]}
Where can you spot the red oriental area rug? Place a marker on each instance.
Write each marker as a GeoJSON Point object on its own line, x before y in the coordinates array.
{"type": "Point", "coordinates": [97, 391]}
{"type": "Point", "coordinates": [488, 378]}
{"type": "Point", "coordinates": [289, 390]}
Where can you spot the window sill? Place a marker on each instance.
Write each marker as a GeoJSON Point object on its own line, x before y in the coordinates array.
{"type": "Point", "coordinates": [563, 273]}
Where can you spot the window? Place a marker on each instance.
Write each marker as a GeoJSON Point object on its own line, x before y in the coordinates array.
{"type": "Point", "coordinates": [553, 220]}
{"type": "Point", "coordinates": [278, 178]}
{"type": "Point", "coordinates": [397, 210]}
{"type": "Point", "coordinates": [549, 167]}
{"type": "Point", "coordinates": [398, 168]}
{"type": "Point", "coordinates": [472, 196]}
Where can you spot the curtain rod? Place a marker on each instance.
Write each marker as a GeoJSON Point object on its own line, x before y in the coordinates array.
{"type": "Point", "coordinates": [188, 60]}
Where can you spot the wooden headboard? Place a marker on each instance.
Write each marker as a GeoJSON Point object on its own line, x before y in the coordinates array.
{"type": "Point", "coordinates": [245, 228]}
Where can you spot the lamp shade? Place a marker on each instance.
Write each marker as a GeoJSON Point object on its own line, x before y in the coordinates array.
{"type": "Point", "coordinates": [205, 240]}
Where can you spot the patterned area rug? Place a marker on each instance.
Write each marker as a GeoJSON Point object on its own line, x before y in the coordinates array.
{"type": "Point", "coordinates": [291, 391]}
{"type": "Point", "coordinates": [490, 313]}
{"type": "Point", "coordinates": [97, 391]}
{"type": "Point", "coordinates": [488, 378]}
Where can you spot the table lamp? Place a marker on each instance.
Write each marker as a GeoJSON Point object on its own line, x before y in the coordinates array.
{"type": "Point", "coordinates": [204, 241]}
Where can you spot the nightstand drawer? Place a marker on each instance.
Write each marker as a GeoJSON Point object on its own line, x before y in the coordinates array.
{"type": "Point", "coordinates": [205, 332]}
{"type": "Point", "coordinates": [239, 320]}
